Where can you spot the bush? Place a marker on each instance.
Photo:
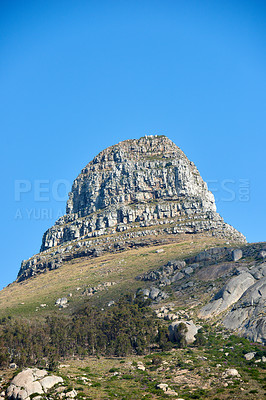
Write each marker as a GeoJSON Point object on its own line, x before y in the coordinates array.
{"type": "Point", "coordinates": [180, 334]}
{"type": "Point", "coordinates": [200, 338]}
{"type": "Point", "coordinates": [156, 360]}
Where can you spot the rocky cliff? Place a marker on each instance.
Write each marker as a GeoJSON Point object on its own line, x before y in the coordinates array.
{"type": "Point", "coordinates": [135, 189]}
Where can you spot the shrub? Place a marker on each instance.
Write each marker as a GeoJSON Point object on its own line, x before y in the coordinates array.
{"type": "Point", "coordinates": [180, 334]}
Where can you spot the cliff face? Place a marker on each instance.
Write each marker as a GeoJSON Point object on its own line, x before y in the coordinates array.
{"type": "Point", "coordinates": [136, 183]}
{"type": "Point", "coordinates": [138, 187]}
{"type": "Point", "coordinates": [137, 171]}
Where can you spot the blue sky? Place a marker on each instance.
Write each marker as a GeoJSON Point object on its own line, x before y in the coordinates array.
{"type": "Point", "coordinates": [78, 76]}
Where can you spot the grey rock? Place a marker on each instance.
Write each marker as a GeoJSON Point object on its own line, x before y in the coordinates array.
{"type": "Point", "coordinates": [166, 274]}
{"type": "Point", "coordinates": [258, 271]}
{"type": "Point", "coordinates": [72, 394]}
{"type": "Point", "coordinates": [247, 316]}
{"type": "Point", "coordinates": [188, 285]}
{"type": "Point", "coordinates": [194, 265]}
{"type": "Point", "coordinates": [30, 381]}
{"type": "Point", "coordinates": [49, 381]}
{"type": "Point", "coordinates": [188, 271]}
{"type": "Point", "coordinates": [250, 356]}
{"type": "Point", "coordinates": [154, 292]}
{"type": "Point", "coordinates": [178, 264]}
{"type": "Point", "coordinates": [241, 269]}
{"type": "Point", "coordinates": [144, 292]}
{"type": "Point", "coordinates": [237, 254]}
{"type": "Point", "coordinates": [210, 255]}
{"type": "Point", "coordinates": [165, 281]}
{"type": "Point", "coordinates": [262, 254]}
{"type": "Point", "coordinates": [228, 295]}
{"type": "Point", "coordinates": [230, 372]}
{"type": "Point", "coordinates": [61, 302]}
{"type": "Point", "coordinates": [177, 277]}
{"type": "Point", "coordinates": [190, 334]}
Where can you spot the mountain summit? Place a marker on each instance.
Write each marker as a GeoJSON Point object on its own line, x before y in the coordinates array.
{"type": "Point", "coordinates": [140, 188]}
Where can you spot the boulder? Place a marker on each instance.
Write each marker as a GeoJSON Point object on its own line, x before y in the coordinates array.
{"type": "Point", "coordinates": [178, 276]}
{"type": "Point", "coordinates": [250, 356]}
{"type": "Point", "coordinates": [262, 254]}
{"type": "Point", "coordinates": [228, 295]}
{"type": "Point", "coordinates": [30, 381]}
{"type": "Point", "coordinates": [144, 292]}
{"type": "Point", "coordinates": [192, 330]}
{"type": "Point", "coordinates": [140, 366]}
{"type": "Point", "coordinates": [209, 256]}
{"type": "Point", "coordinates": [188, 271]}
{"type": "Point", "coordinates": [165, 281]}
{"type": "Point", "coordinates": [162, 386]}
{"type": "Point", "coordinates": [237, 254]}
{"type": "Point", "coordinates": [72, 394]}
{"type": "Point", "coordinates": [153, 293]}
{"type": "Point", "coordinates": [187, 285]}
{"type": "Point", "coordinates": [61, 302]}
{"type": "Point", "coordinates": [49, 381]}
{"type": "Point", "coordinates": [258, 271]}
{"type": "Point", "coordinates": [231, 372]}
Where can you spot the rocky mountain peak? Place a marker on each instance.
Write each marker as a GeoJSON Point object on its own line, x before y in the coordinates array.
{"type": "Point", "coordinates": [140, 170]}
{"type": "Point", "coordinates": [136, 189]}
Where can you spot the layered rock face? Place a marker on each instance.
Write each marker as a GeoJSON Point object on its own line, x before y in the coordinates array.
{"type": "Point", "coordinates": [137, 183]}
{"type": "Point", "coordinates": [136, 188]}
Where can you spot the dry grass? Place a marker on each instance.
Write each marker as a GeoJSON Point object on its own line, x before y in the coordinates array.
{"type": "Point", "coordinates": [23, 298]}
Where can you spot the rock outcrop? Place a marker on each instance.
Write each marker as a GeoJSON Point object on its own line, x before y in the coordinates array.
{"type": "Point", "coordinates": [248, 314]}
{"type": "Point", "coordinates": [152, 293]}
{"type": "Point", "coordinates": [243, 298]}
{"type": "Point", "coordinates": [137, 188]}
{"type": "Point", "coordinates": [31, 381]}
{"type": "Point", "coordinates": [228, 295]}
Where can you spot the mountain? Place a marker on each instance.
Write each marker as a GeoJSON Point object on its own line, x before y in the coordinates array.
{"type": "Point", "coordinates": [132, 192]}
{"type": "Point", "coordinates": [140, 290]}
{"type": "Point", "coordinates": [145, 192]}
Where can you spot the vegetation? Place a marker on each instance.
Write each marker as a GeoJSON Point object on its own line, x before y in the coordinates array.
{"type": "Point", "coordinates": [97, 349]}
{"type": "Point", "coordinates": [24, 298]}
{"type": "Point", "coordinates": [126, 328]}
{"type": "Point", "coordinates": [103, 349]}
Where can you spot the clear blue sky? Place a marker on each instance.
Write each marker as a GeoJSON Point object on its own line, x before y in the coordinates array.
{"type": "Point", "coordinates": [78, 76]}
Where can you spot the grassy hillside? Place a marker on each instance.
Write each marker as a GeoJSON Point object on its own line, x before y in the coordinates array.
{"type": "Point", "coordinates": [25, 298]}
{"type": "Point", "coordinates": [198, 371]}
